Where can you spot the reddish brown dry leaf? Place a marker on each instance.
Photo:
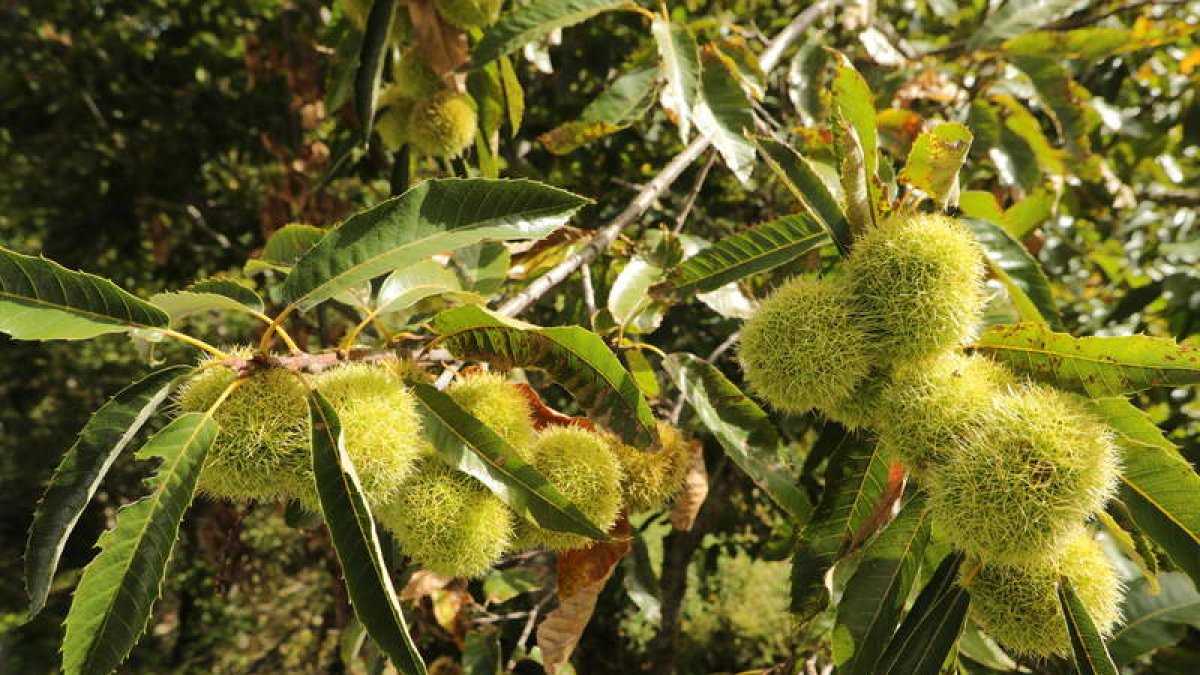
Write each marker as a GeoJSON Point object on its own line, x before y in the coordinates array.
{"type": "Point", "coordinates": [545, 416]}
{"type": "Point", "coordinates": [423, 583]}
{"type": "Point", "coordinates": [444, 46]}
{"type": "Point", "coordinates": [695, 489]}
{"type": "Point", "coordinates": [582, 574]}
{"type": "Point", "coordinates": [885, 508]}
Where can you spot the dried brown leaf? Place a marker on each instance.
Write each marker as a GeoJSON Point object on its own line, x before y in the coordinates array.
{"type": "Point", "coordinates": [444, 46]}
{"type": "Point", "coordinates": [423, 583]}
{"type": "Point", "coordinates": [545, 416]}
{"type": "Point", "coordinates": [582, 574]}
{"type": "Point", "coordinates": [695, 490]}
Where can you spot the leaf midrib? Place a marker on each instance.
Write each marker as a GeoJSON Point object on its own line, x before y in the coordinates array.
{"type": "Point", "coordinates": [992, 346]}
{"type": "Point", "coordinates": [697, 280]}
{"type": "Point", "coordinates": [155, 498]}
{"type": "Point", "coordinates": [303, 301]}
{"type": "Point", "coordinates": [501, 468]}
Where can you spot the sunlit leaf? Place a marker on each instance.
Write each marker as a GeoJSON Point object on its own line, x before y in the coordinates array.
{"type": "Point", "coordinates": [1159, 488]}
{"type": "Point", "coordinates": [1019, 271]}
{"type": "Point", "coordinates": [874, 598]}
{"type": "Point", "coordinates": [1087, 647]}
{"type": "Point", "coordinates": [355, 540]}
{"type": "Point", "coordinates": [111, 606]}
{"type": "Point", "coordinates": [435, 216]}
{"type": "Point", "coordinates": [935, 160]}
{"type": "Point", "coordinates": [42, 300]}
{"type": "Point", "coordinates": [79, 473]}
{"type": "Point", "coordinates": [740, 426]}
{"type": "Point", "coordinates": [284, 248]}
{"type": "Point", "coordinates": [681, 63]}
{"type": "Point", "coordinates": [723, 113]}
{"type": "Point", "coordinates": [854, 482]}
{"type": "Point", "coordinates": [801, 179]}
{"type": "Point", "coordinates": [758, 249]}
{"type": "Point", "coordinates": [532, 21]}
{"type": "Point", "coordinates": [406, 287]}
{"type": "Point", "coordinates": [208, 295]}
{"type": "Point", "coordinates": [472, 447]}
{"type": "Point", "coordinates": [1015, 17]}
{"type": "Point", "coordinates": [1094, 366]}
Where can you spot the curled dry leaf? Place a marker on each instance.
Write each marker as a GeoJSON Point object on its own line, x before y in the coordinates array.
{"type": "Point", "coordinates": [582, 574]}
{"type": "Point", "coordinates": [545, 416]}
{"type": "Point", "coordinates": [695, 489]}
{"type": "Point", "coordinates": [422, 583]}
{"type": "Point", "coordinates": [444, 46]}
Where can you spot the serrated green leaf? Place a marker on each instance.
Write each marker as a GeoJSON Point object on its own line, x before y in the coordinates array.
{"type": "Point", "coordinates": [370, 63]}
{"type": "Point", "coordinates": [629, 302]}
{"type": "Point", "coordinates": [928, 634]}
{"type": "Point", "coordinates": [111, 605]}
{"type": "Point", "coordinates": [854, 482]}
{"type": "Point", "coordinates": [514, 95]}
{"type": "Point", "coordinates": [1087, 647]}
{"type": "Point", "coordinates": [723, 113]}
{"type": "Point", "coordinates": [1016, 17]}
{"type": "Point", "coordinates": [758, 249]}
{"type": "Point", "coordinates": [1131, 423]}
{"type": "Point", "coordinates": [1021, 218]}
{"type": "Point", "coordinates": [532, 21]}
{"type": "Point", "coordinates": [208, 295]}
{"type": "Point", "coordinates": [574, 357]}
{"type": "Point", "coordinates": [485, 88]}
{"type": "Point", "coordinates": [1094, 43]}
{"type": "Point", "coordinates": [435, 216]}
{"type": "Point", "coordinates": [874, 598]}
{"type": "Point", "coordinates": [807, 187]}
{"type": "Point", "coordinates": [935, 159]}
{"type": "Point", "coordinates": [570, 136]}
{"type": "Point", "coordinates": [740, 426]}
{"type": "Point", "coordinates": [681, 65]}
{"type": "Point", "coordinates": [408, 286]}
{"type": "Point", "coordinates": [1093, 366]}
{"type": "Point", "coordinates": [356, 541]}
{"type": "Point", "coordinates": [853, 102]}
{"type": "Point", "coordinates": [500, 586]}
{"type": "Point", "coordinates": [284, 248]}
{"type": "Point", "coordinates": [981, 204]}
{"type": "Point", "coordinates": [481, 652]}
{"type": "Point", "coordinates": [1020, 272]}
{"type": "Point", "coordinates": [1155, 619]}
{"type": "Point", "coordinates": [42, 300]}
{"type": "Point", "coordinates": [856, 179]}
{"type": "Point", "coordinates": [1066, 100]}
{"type": "Point", "coordinates": [1159, 488]}
{"type": "Point", "coordinates": [78, 475]}
{"type": "Point", "coordinates": [1023, 125]}
{"type": "Point", "coordinates": [626, 100]}
{"type": "Point", "coordinates": [470, 446]}
{"type": "Point", "coordinates": [482, 268]}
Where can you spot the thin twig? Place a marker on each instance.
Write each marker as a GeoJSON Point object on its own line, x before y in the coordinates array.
{"type": "Point", "coordinates": [523, 641]}
{"type": "Point", "coordinates": [696, 187]}
{"type": "Point", "coordinates": [654, 189]}
{"type": "Point", "coordinates": [589, 291]}
{"type": "Point", "coordinates": [724, 346]}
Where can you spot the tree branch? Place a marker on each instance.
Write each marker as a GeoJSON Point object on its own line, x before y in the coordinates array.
{"type": "Point", "coordinates": [606, 235]}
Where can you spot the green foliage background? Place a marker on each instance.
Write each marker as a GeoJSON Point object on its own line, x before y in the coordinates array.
{"type": "Point", "coordinates": [156, 142]}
